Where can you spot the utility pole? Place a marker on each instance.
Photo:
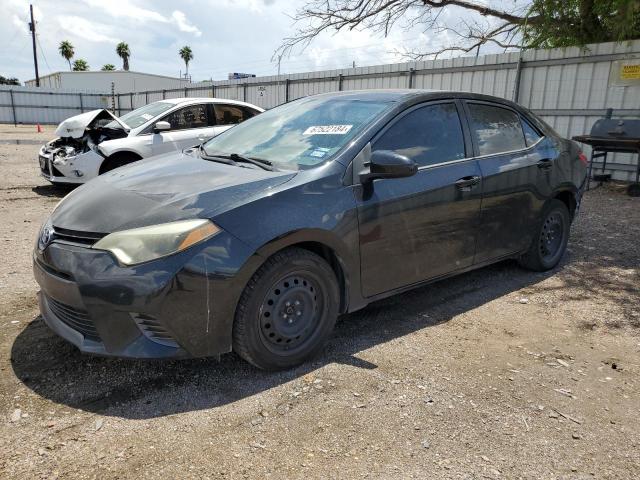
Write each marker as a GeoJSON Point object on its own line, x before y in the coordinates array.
{"type": "Point", "coordinates": [32, 29]}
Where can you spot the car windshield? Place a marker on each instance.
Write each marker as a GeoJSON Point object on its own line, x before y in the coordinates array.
{"type": "Point", "coordinates": [300, 134]}
{"type": "Point", "coordinates": [141, 115]}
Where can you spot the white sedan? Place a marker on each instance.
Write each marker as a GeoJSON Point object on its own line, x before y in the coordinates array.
{"type": "Point", "coordinates": [95, 142]}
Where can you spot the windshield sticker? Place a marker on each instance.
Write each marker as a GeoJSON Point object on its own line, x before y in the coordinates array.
{"type": "Point", "coordinates": [328, 130]}
{"type": "Point", "coordinates": [146, 116]}
{"type": "Point", "coordinates": [319, 152]}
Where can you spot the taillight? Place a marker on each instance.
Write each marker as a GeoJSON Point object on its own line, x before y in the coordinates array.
{"type": "Point", "coordinates": [583, 158]}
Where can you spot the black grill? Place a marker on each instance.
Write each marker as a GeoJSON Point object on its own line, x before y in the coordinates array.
{"type": "Point", "coordinates": [609, 135]}
{"type": "Point", "coordinates": [75, 236]}
{"type": "Point", "coordinates": [44, 166]}
{"type": "Point", "coordinates": [154, 330]}
{"type": "Point", "coordinates": [77, 319]}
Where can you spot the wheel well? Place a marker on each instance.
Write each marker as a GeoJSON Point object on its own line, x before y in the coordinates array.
{"type": "Point", "coordinates": [115, 157]}
{"type": "Point", "coordinates": [331, 258]}
{"type": "Point", "coordinates": [568, 199]}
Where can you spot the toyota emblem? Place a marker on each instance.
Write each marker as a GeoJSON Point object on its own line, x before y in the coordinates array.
{"type": "Point", "coordinates": [46, 237]}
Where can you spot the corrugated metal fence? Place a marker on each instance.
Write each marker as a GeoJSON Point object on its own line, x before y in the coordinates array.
{"type": "Point", "coordinates": [570, 87]}
{"type": "Point", "coordinates": [45, 105]}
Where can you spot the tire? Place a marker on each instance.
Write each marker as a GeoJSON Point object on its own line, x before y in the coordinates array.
{"type": "Point", "coordinates": [286, 311]}
{"type": "Point", "coordinates": [551, 238]}
{"type": "Point", "coordinates": [117, 160]}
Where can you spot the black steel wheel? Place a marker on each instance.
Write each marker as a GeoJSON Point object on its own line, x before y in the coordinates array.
{"type": "Point", "coordinates": [551, 238]}
{"type": "Point", "coordinates": [286, 311]}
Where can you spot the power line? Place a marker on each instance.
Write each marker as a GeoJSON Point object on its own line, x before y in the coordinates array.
{"type": "Point", "coordinates": [43, 55]}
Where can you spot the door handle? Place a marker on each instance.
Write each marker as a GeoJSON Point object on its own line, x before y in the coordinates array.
{"type": "Point", "coordinates": [545, 164]}
{"type": "Point", "coordinates": [466, 183]}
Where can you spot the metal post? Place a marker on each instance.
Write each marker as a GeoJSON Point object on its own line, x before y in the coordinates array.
{"type": "Point", "coordinates": [185, 92]}
{"type": "Point", "coordinates": [213, 91]}
{"type": "Point", "coordinates": [118, 109]}
{"type": "Point", "coordinates": [81, 105]}
{"type": "Point", "coordinates": [146, 97]}
{"type": "Point", "coordinates": [131, 100]}
{"type": "Point", "coordinates": [516, 87]}
{"type": "Point", "coordinates": [412, 72]}
{"type": "Point", "coordinates": [244, 92]}
{"type": "Point", "coordinates": [286, 90]}
{"type": "Point", "coordinates": [340, 79]}
{"type": "Point", "coordinates": [13, 109]}
{"type": "Point", "coordinates": [164, 94]}
{"type": "Point", "coordinates": [113, 98]}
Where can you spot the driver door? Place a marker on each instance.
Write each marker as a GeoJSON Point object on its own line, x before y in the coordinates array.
{"type": "Point", "coordinates": [190, 125]}
{"type": "Point", "coordinates": [421, 227]}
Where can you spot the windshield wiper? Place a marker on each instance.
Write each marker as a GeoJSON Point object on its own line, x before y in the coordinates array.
{"type": "Point", "coordinates": [265, 164]}
{"type": "Point", "coordinates": [234, 159]}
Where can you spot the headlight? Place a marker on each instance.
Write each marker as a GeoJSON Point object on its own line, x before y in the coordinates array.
{"type": "Point", "coordinates": [148, 243]}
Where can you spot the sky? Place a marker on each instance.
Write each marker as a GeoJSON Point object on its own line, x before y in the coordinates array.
{"type": "Point", "coordinates": [225, 36]}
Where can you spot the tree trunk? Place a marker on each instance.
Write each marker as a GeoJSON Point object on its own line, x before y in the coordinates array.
{"type": "Point", "coordinates": [125, 64]}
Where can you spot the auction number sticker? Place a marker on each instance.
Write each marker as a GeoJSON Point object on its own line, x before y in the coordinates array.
{"type": "Point", "coordinates": [328, 130]}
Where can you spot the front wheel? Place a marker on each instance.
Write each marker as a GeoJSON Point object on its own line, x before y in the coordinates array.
{"type": "Point", "coordinates": [550, 240]}
{"type": "Point", "coordinates": [286, 311]}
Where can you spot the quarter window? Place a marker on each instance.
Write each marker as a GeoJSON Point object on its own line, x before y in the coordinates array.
{"type": "Point", "coordinates": [531, 136]}
{"type": "Point", "coordinates": [193, 116]}
{"type": "Point", "coordinates": [428, 135]}
{"type": "Point", "coordinates": [496, 129]}
{"type": "Point", "coordinates": [230, 114]}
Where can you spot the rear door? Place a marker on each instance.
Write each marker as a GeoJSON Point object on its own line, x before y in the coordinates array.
{"type": "Point", "coordinates": [190, 125]}
{"type": "Point", "coordinates": [421, 227]}
{"type": "Point", "coordinates": [516, 168]}
{"type": "Point", "coordinates": [228, 115]}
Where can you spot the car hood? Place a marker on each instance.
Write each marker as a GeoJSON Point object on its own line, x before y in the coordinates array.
{"type": "Point", "coordinates": [161, 189]}
{"type": "Point", "coordinates": [75, 127]}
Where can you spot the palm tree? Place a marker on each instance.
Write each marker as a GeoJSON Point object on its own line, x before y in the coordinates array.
{"type": "Point", "coordinates": [108, 67]}
{"type": "Point", "coordinates": [122, 49]}
{"type": "Point", "coordinates": [187, 55]}
{"type": "Point", "coordinates": [80, 65]}
{"type": "Point", "coordinates": [66, 50]}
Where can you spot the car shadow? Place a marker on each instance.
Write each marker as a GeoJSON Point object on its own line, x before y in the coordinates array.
{"type": "Point", "coordinates": [57, 371]}
{"type": "Point", "coordinates": [57, 191]}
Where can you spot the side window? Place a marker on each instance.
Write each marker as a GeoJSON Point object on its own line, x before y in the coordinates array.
{"type": "Point", "coordinates": [495, 129]}
{"type": "Point", "coordinates": [229, 114]}
{"type": "Point", "coordinates": [531, 135]}
{"type": "Point", "coordinates": [193, 116]}
{"type": "Point", "coordinates": [249, 112]}
{"type": "Point", "coordinates": [428, 135]}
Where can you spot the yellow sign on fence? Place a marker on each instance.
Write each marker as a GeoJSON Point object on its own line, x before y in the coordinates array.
{"type": "Point", "coordinates": [630, 71]}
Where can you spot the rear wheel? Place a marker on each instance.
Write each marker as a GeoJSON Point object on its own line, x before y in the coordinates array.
{"type": "Point", "coordinates": [550, 241]}
{"type": "Point", "coordinates": [118, 160]}
{"type": "Point", "coordinates": [287, 310]}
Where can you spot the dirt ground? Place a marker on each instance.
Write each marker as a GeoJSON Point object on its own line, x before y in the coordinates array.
{"type": "Point", "coordinates": [499, 373]}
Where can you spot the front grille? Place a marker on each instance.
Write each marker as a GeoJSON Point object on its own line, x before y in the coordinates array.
{"type": "Point", "coordinates": [44, 166]}
{"type": "Point", "coordinates": [75, 236]}
{"type": "Point", "coordinates": [77, 319]}
{"type": "Point", "coordinates": [154, 330]}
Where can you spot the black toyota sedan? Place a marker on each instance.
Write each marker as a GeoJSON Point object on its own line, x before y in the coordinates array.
{"type": "Point", "coordinates": [258, 239]}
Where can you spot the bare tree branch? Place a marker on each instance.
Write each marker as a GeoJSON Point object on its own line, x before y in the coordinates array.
{"type": "Point", "coordinates": [380, 16]}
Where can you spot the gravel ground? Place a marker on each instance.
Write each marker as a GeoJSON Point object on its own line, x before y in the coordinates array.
{"type": "Point", "coordinates": [499, 373]}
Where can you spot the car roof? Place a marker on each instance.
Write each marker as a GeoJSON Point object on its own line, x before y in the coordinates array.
{"type": "Point", "coordinates": [191, 100]}
{"type": "Point", "coordinates": [413, 95]}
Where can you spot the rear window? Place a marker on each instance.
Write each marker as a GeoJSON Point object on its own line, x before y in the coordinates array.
{"type": "Point", "coordinates": [496, 129]}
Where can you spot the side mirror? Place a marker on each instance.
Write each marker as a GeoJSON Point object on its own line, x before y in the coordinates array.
{"type": "Point", "coordinates": [161, 127]}
{"type": "Point", "coordinates": [388, 164]}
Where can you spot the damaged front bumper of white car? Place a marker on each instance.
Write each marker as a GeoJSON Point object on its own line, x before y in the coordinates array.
{"type": "Point", "coordinates": [63, 164]}
{"type": "Point", "coordinates": [74, 157]}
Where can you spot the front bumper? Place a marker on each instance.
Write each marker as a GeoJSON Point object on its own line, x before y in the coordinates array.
{"type": "Point", "coordinates": [178, 306]}
{"type": "Point", "coordinates": [74, 170]}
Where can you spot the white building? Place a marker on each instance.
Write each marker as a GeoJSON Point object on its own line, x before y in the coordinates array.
{"type": "Point", "coordinates": [123, 81]}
